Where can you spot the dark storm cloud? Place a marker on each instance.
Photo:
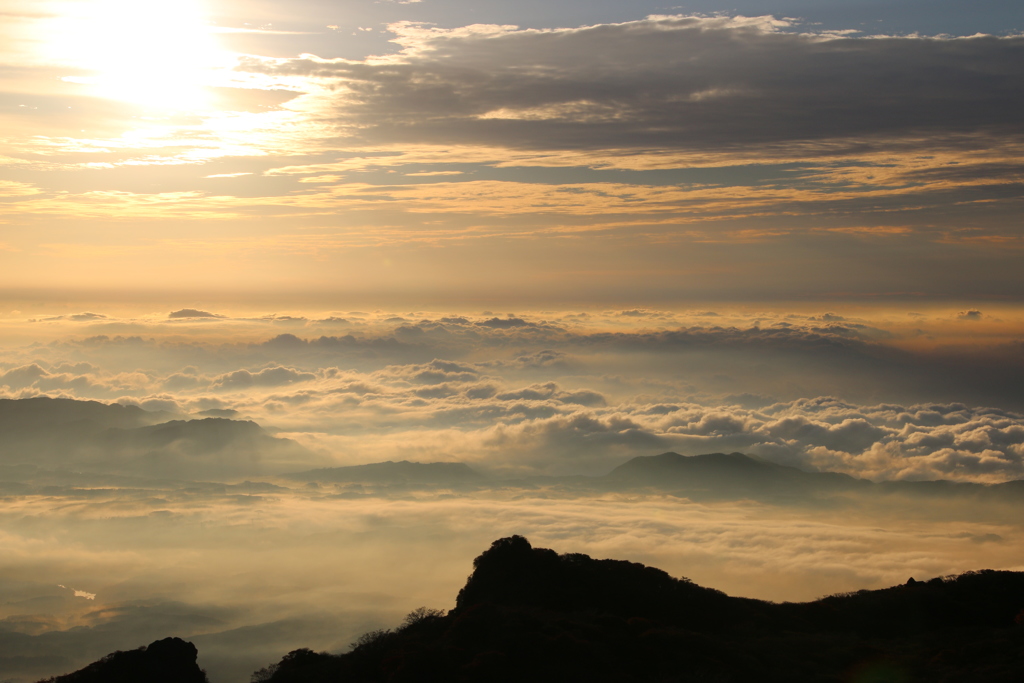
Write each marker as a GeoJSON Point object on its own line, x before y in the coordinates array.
{"type": "Point", "coordinates": [680, 83]}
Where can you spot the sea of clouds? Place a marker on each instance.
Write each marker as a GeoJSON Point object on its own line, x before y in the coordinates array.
{"type": "Point", "coordinates": [249, 566]}
{"type": "Point", "coordinates": [560, 393]}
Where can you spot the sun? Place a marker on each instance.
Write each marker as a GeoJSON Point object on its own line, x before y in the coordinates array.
{"type": "Point", "coordinates": [158, 54]}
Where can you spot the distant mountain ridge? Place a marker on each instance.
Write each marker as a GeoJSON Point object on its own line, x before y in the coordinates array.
{"type": "Point", "coordinates": [709, 476]}
{"type": "Point", "coordinates": [730, 475]}
{"type": "Point", "coordinates": [96, 437]}
{"type": "Point", "coordinates": [42, 413]}
{"type": "Point", "coordinates": [389, 472]}
{"type": "Point", "coordinates": [718, 467]}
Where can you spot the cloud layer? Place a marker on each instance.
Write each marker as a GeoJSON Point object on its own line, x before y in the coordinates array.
{"type": "Point", "coordinates": [571, 393]}
{"type": "Point", "coordinates": [669, 157]}
{"type": "Point", "coordinates": [678, 83]}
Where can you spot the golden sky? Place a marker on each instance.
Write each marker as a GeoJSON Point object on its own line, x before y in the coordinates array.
{"type": "Point", "coordinates": [227, 147]}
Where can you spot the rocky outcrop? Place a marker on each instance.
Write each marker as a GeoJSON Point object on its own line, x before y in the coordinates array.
{"type": "Point", "coordinates": [171, 660]}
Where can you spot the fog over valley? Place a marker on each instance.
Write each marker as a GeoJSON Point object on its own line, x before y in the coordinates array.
{"type": "Point", "coordinates": [214, 476]}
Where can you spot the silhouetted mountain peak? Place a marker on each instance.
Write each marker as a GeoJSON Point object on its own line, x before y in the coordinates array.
{"type": "Point", "coordinates": [531, 614]}
{"type": "Point", "coordinates": [171, 660]}
{"type": "Point", "coordinates": [512, 572]}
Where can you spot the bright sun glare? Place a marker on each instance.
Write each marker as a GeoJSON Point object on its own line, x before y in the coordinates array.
{"type": "Point", "coordinates": [154, 53]}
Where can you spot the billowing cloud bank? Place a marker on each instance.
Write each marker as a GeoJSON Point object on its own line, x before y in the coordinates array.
{"type": "Point", "coordinates": [568, 393]}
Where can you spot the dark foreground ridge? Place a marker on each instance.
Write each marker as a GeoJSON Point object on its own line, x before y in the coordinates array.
{"type": "Point", "coordinates": [171, 660]}
{"type": "Point", "coordinates": [530, 614]}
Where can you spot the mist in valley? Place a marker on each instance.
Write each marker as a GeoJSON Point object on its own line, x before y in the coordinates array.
{"type": "Point", "coordinates": [221, 490]}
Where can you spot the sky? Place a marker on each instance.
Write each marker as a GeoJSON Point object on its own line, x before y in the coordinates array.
{"type": "Point", "coordinates": [461, 153]}
{"type": "Point", "coordinates": [538, 238]}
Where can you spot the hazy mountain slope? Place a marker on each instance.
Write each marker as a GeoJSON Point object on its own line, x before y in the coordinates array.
{"type": "Point", "coordinates": [63, 421]}
{"type": "Point", "coordinates": [214, 448]}
{"type": "Point", "coordinates": [43, 412]}
{"type": "Point", "coordinates": [732, 473]}
{"type": "Point", "coordinates": [121, 440]}
{"type": "Point", "coordinates": [735, 475]}
{"type": "Point", "coordinates": [709, 476]}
